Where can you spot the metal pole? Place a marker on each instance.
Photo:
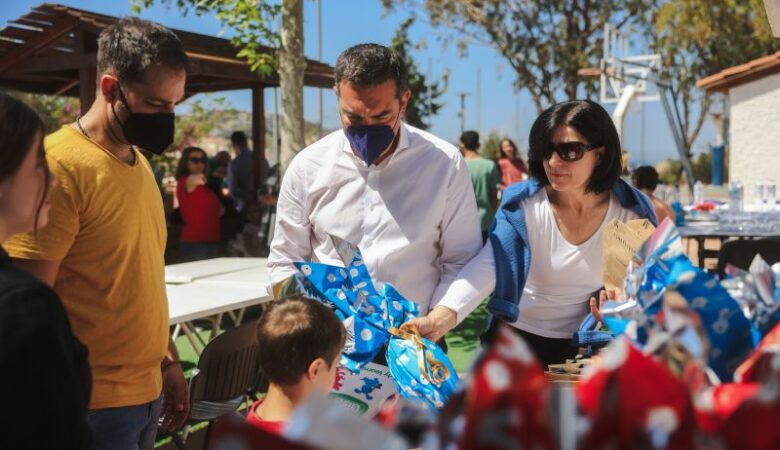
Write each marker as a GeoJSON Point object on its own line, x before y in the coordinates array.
{"type": "Point", "coordinates": [277, 145]}
{"type": "Point", "coordinates": [679, 140]}
{"type": "Point", "coordinates": [479, 100]}
{"type": "Point", "coordinates": [462, 112]}
{"type": "Point", "coordinates": [319, 58]}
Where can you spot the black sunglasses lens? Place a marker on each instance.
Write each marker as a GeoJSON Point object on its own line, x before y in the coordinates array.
{"type": "Point", "coordinates": [569, 151]}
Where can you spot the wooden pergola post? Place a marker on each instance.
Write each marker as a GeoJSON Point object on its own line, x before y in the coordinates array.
{"type": "Point", "coordinates": [86, 43]}
{"type": "Point", "coordinates": [258, 135]}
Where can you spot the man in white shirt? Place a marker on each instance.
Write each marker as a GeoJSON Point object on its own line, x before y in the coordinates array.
{"type": "Point", "coordinates": [401, 194]}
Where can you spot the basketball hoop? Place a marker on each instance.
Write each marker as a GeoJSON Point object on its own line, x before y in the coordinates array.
{"type": "Point", "coordinates": [626, 78]}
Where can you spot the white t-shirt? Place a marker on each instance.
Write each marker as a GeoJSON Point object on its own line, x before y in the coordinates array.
{"type": "Point", "coordinates": [562, 275]}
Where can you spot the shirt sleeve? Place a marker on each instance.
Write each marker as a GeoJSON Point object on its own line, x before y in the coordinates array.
{"type": "Point", "coordinates": [461, 237]}
{"type": "Point", "coordinates": [473, 284]}
{"type": "Point", "coordinates": [292, 235]}
{"type": "Point", "coordinates": [52, 242]}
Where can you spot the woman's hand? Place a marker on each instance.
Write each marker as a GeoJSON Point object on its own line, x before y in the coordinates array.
{"type": "Point", "coordinates": [604, 295]}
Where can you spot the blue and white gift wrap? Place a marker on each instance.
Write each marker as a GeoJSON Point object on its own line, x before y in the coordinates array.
{"type": "Point", "coordinates": [366, 313]}
{"type": "Point", "coordinates": [662, 266]}
{"type": "Point", "coordinates": [369, 315]}
{"type": "Point", "coordinates": [410, 362]}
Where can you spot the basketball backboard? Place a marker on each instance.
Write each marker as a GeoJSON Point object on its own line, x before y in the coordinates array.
{"type": "Point", "coordinates": [621, 67]}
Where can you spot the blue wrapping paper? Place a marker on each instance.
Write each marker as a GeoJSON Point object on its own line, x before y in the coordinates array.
{"type": "Point", "coordinates": [405, 360]}
{"type": "Point", "coordinates": [366, 313]}
{"type": "Point", "coordinates": [369, 315]}
{"type": "Point", "coordinates": [729, 332]}
{"type": "Point", "coordinates": [660, 265]}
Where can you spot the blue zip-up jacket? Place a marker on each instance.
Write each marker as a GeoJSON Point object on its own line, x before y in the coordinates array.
{"type": "Point", "coordinates": [509, 239]}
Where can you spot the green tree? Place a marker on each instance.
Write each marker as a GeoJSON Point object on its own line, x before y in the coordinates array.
{"type": "Point", "coordinates": [203, 117]}
{"type": "Point", "coordinates": [54, 110]}
{"type": "Point", "coordinates": [546, 42]}
{"type": "Point", "coordinates": [250, 21]}
{"type": "Point", "coordinates": [669, 171]}
{"type": "Point", "coordinates": [491, 146]}
{"type": "Point", "coordinates": [697, 38]}
{"type": "Point", "coordinates": [423, 102]}
{"type": "Point", "coordinates": [702, 168]}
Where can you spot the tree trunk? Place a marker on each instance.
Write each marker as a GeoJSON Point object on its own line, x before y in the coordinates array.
{"type": "Point", "coordinates": [292, 65]}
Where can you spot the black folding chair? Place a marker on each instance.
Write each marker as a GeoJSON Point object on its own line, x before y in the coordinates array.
{"type": "Point", "coordinates": [741, 252]}
{"type": "Point", "coordinates": [227, 372]}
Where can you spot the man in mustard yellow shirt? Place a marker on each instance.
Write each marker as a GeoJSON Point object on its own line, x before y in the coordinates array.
{"type": "Point", "coordinates": [103, 247]}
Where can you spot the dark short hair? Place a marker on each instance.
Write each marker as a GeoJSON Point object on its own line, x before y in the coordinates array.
{"type": "Point", "coordinates": [591, 121]}
{"type": "Point", "coordinates": [182, 170]}
{"type": "Point", "coordinates": [18, 127]}
{"type": "Point", "coordinates": [132, 45]}
{"type": "Point", "coordinates": [470, 140]}
{"type": "Point", "coordinates": [645, 177]}
{"type": "Point", "coordinates": [238, 138]}
{"type": "Point", "coordinates": [294, 333]}
{"type": "Point", "coordinates": [369, 65]}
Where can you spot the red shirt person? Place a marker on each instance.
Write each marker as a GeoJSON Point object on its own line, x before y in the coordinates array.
{"type": "Point", "coordinates": [199, 207]}
{"type": "Point", "coordinates": [511, 165]}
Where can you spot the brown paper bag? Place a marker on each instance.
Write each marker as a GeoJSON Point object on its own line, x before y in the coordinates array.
{"type": "Point", "coordinates": [621, 241]}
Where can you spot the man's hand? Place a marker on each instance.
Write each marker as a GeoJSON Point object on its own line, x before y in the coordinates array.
{"type": "Point", "coordinates": [604, 295]}
{"type": "Point", "coordinates": [436, 324]}
{"type": "Point", "coordinates": [176, 398]}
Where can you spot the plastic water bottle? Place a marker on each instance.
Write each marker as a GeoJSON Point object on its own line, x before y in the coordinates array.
{"type": "Point", "coordinates": [758, 196]}
{"type": "Point", "coordinates": [735, 197]}
{"type": "Point", "coordinates": [698, 193]}
{"type": "Point", "coordinates": [770, 195]}
{"type": "Point", "coordinates": [679, 213]}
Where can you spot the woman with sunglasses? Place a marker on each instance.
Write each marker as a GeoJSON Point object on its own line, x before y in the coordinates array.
{"type": "Point", "coordinates": [544, 259]}
{"type": "Point", "coordinates": [44, 372]}
{"type": "Point", "coordinates": [199, 206]}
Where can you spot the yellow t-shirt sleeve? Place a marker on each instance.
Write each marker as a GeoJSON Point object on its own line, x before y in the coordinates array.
{"type": "Point", "coordinates": [52, 242]}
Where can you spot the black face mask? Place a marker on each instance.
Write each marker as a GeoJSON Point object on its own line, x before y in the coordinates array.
{"type": "Point", "coordinates": [149, 131]}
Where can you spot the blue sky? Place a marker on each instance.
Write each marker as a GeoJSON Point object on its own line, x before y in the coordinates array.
{"type": "Point", "coordinates": [349, 22]}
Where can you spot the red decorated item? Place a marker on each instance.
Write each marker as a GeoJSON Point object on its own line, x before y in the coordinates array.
{"type": "Point", "coordinates": [506, 400]}
{"type": "Point", "coordinates": [234, 433]}
{"type": "Point", "coordinates": [764, 362]}
{"type": "Point", "coordinates": [632, 401]}
{"type": "Point", "coordinates": [746, 414]}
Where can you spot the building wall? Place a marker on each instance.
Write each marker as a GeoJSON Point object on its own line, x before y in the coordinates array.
{"type": "Point", "coordinates": [754, 134]}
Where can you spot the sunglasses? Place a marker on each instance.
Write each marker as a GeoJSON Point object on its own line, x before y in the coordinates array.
{"type": "Point", "coordinates": [570, 151]}
{"type": "Point", "coordinates": [198, 160]}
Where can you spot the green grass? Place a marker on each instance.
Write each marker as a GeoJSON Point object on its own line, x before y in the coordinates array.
{"type": "Point", "coordinates": [463, 340]}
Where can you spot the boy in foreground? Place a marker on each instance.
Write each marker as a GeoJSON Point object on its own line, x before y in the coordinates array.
{"type": "Point", "coordinates": [300, 342]}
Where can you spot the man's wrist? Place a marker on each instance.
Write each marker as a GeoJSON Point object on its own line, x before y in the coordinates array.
{"type": "Point", "coordinates": [444, 317]}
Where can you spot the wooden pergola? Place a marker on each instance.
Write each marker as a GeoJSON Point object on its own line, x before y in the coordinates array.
{"type": "Point", "coordinates": [53, 50]}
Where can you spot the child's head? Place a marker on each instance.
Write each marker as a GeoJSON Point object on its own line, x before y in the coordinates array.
{"type": "Point", "coordinates": [300, 342]}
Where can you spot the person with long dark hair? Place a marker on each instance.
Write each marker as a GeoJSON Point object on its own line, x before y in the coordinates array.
{"type": "Point", "coordinates": [510, 163]}
{"type": "Point", "coordinates": [545, 254]}
{"type": "Point", "coordinates": [199, 207]}
{"type": "Point", "coordinates": [43, 367]}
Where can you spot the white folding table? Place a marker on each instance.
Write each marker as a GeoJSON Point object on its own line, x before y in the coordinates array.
{"type": "Point", "coordinates": [196, 270]}
{"type": "Point", "coordinates": [210, 288]}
